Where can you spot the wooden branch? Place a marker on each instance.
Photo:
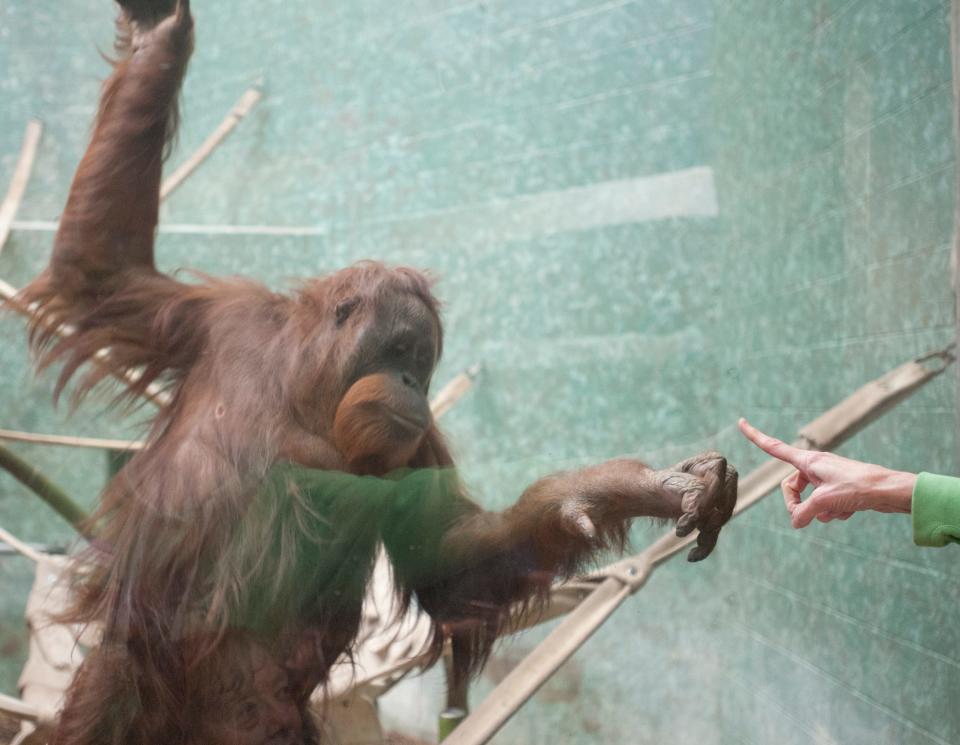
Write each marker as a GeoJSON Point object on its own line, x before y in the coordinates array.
{"type": "Point", "coordinates": [21, 175]}
{"type": "Point", "coordinates": [627, 576]}
{"type": "Point", "coordinates": [20, 547]}
{"type": "Point", "coordinates": [453, 391]}
{"type": "Point", "coordinates": [18, 709]}
{"type": "Point", "coordinates": [955, 253]}
{"type": "Point", "coordinates": [445, 400]}
{"type": "Point", "coordinates": [243, 107]}
{"type": "Point", "coordinates": [72, 441]}
{"type": "Point", "coordinates": [154, 392]}
{"type": "Point", "coordinates": [40, 485]}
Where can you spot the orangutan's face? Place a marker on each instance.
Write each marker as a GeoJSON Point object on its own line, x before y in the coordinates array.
{"type": "Point", "coordinates": [258, 707]}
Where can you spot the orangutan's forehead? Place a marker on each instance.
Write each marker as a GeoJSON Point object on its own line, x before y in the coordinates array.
{"type": "Point", "coordinates": [406, 309]}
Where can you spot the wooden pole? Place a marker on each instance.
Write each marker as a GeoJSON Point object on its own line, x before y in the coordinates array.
{"type": "Point", "coordinates": [20, 546]}
{"type": "Point", "coordinates": [40, 485]}
{"type": "Point", "coordinates": [240, 109]}
{"type": "Point", "coordinates": [243, 107]}
{"type": "Point", "coordinates": [21, 176]}
{"type": "Point", "coordinates": [97, 443]}
{"type": "Point", "coordinates": [153, 392]}
{"type": "Point", "coordinates": [445, 400]}
{"type": "Point", "coordinates": [623, 578]}
{"type": "Point", "coordinates": [453, 391]}
{"type": "Point", "coordinates": [955, 256]}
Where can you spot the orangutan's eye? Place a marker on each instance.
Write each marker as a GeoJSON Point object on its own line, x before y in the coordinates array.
{"type": "Point", "coordinates": [345, 308]}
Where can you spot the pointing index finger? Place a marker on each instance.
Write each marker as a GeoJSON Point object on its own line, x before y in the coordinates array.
{"type": "Point", "coordinates": [771, 445]}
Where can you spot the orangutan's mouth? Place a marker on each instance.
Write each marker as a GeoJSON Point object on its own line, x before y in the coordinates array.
{"type": "Point", "coordinates": [417, 424]}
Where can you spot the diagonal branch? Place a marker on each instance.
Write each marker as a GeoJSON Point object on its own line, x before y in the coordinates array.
{"type": "Point", "coordinates": [20, 547]}
{"type": "Point", "coordinates": [452, 392]}
{"type": "Point", "coordinates": [154, 392]}
{"type": "Point", "coordinates": [248, 100]}
{"type": "Point", "coordinates": [21, 175]}
{"type": "Point", "coordinates": [40, 485]}
{"type": "Point", "coordinates": [445, 400]}
{"type": "Point", "coordinates": [96, 443]}
{"type": "Point", "coordinates": [240, 109]}
{"type": "Point", "coordinates": [618, 581]}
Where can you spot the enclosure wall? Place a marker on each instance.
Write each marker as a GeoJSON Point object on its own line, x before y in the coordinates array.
{"type": "Point", "coordinates": [647, 218]}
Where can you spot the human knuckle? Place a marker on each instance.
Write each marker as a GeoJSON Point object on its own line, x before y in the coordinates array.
{"type": "Point", "coordinates": [814, 458]}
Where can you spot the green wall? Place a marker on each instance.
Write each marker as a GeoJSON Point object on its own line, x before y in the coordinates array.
{"type": "Point", "coordinates": [797, 247]}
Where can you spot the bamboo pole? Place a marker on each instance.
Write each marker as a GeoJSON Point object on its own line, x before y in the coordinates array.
{"type": "Point", "coordinates": [154, 392]}
{"type": "Point", "coordinates": [625, 577]}
{"type": "Point", "coordinates": [955, 253]}
{"type": "Point", "coordinates": [20, 547]}
{"type": "Point", "coordinates": [21, 176]}
{"type": "Point", "coordinates": [453, 391]}
{"type": "Point", "coordinates": [240, 109]}
{"type": "Point", "coordinates": [445, 400]}
{"type": "Point", "coordinates": [97, 443]}
{"type": "Point", "coordinates": [40, 485]}
{"type": "Point", "coordinates": [244, 105]}
{"type": "Point", "coordinates": [18, 709]}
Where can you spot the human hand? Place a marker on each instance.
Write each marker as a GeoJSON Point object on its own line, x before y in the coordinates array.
{"type": "Point", "coordinates": [841, 486]}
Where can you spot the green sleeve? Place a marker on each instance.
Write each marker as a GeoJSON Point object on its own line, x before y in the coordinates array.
{"type": "Point", "coordinates": [936, 510]}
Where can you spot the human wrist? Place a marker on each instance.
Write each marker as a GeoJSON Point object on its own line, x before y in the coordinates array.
{"type": "Point", "coordinates": [892, 491]}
